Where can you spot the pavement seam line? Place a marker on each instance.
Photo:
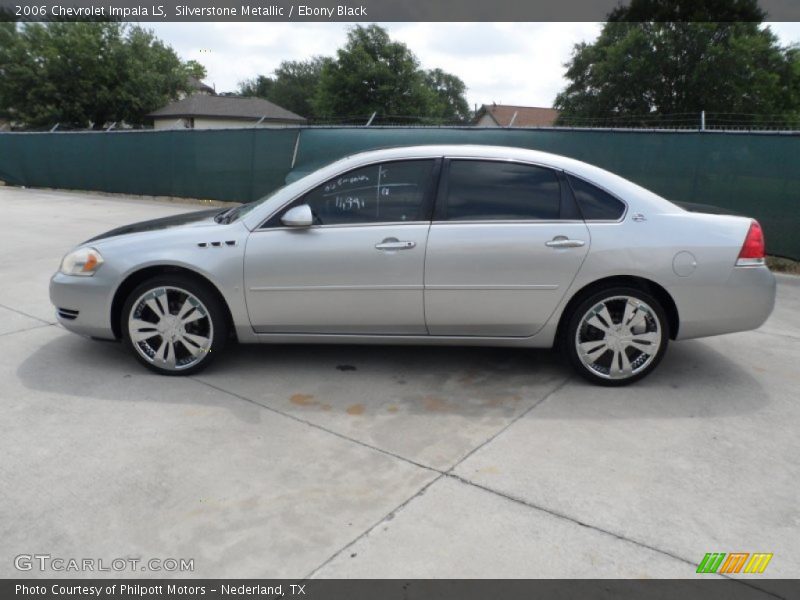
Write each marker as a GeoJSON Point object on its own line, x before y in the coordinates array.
{"type": "Point", "coordinates": [24, 314]}
{"type": "Point", "coordinates": [42, 326]}
{"type": "Point", "coordinates": [505, 428]}
{"type": "Point", "coordinates": [441, 475]}
{"type": "Point", "coordinates": [319, 427]}
{"type": "Point", "coordinates": [598, 529]}
{"type": "Point", "coordinates": [448, 474]}
{"type": "Point", "coordinates": [375, 448]}
{"type": "Point", "coordinates": [375, 525]}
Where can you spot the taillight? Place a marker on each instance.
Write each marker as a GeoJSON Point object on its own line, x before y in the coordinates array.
{"type": "Point", "coordinates": [753, 250]}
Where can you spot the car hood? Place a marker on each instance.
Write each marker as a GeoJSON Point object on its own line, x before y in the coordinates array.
{"type": "Point", "coordinates": [191, 219]}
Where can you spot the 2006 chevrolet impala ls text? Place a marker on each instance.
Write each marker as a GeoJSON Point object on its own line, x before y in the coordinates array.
{"type": "Point", "coordinates": [427, 245]}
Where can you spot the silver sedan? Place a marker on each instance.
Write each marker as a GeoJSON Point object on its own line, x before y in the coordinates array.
{"type": "Point", "coordinates": [426, 245]}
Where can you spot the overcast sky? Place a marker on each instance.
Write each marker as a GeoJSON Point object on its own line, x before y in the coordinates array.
{"type": "Point", "coordinates": [508, 63]}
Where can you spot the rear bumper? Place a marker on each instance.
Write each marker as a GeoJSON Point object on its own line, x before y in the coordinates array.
{"type": "Point", "coordinates": [741, 303]}
{"type": "Point", "coordinates": [83, 304]}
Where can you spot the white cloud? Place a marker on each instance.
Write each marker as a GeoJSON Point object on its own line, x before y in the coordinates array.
{"type": "Point", "coordinates": [788, 33]}
{"type": "Point", "coordinates": [516, 63]}
{"type": "Point", "coordinates": [512, 63]}
{"type": "Point", "coordinates": [232, 52]}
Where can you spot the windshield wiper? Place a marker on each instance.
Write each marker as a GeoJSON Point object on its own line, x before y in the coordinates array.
{"type": "Point", "coordinates": [226, 215]}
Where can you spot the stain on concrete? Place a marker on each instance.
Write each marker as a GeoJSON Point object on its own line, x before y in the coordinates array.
{"type": "Point", "coordinates": [303, 399]}
{"type": "Point", "coordinates": [491, 470]}
{"type": "Point", "coordinates": [355, 409]}
{"type": "Point", "coordinates": [435, 404]}
{"type": "Point", "coordinates": [499, 401]}
{"type": "Point", "coordinates": [195, 412]}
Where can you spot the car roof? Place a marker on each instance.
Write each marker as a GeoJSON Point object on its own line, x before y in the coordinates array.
{"type": "Point", "coordinates": [460, 150]}
{"type": "Point", "coordinates": [615, 184]}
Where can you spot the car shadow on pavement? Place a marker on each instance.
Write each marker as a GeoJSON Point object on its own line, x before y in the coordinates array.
{"type": "Point", "coordinates": [694, 379]}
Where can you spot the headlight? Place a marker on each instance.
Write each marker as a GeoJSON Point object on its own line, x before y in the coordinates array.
{"type": "Point", "coordinates": [83, 262]}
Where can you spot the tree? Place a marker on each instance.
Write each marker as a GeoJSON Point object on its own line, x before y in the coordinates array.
{"type": "Point", "coordinates": [85, 73]}
{"type": "Point", "coordinates": [259, 86]}
{"type": "Point", "coordinates": [449, 101]}
{"type": "Point", "coordinates": [373, 73]}
{"type": "Point", "coordinates": [681, 57]}
{"type": "Point", "coordinates": [293, 86]}
{"type": "Point", "coordinates": [195, 69]}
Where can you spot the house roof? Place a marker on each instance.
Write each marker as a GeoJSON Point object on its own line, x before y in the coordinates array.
{"type": "Point", "coordinates": [226, 107]}
{"type": "Point", "coordinates": [200, 86]}
{"type": "Point", "coordinates": [527, 116]}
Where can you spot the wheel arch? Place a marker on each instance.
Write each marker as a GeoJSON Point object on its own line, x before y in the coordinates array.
{"type": "Point", "coordinates": [641, 283]}
{"type": "Point", "coordinates": [135, 278]}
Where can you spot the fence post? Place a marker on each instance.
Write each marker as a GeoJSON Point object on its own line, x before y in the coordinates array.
{"type": "Point", "coordinates": [702, 120]}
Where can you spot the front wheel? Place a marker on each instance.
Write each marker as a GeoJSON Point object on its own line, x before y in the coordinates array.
{"type": "Point", "coordinates": [617, 336]}
{"type": "Point", "coordinates": [174, 325]}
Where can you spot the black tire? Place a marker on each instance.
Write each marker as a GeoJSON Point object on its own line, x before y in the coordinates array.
{"type": "Point", "coordinates": [212, 324]}
{"type": "Point", "coordinates": [614, 374]}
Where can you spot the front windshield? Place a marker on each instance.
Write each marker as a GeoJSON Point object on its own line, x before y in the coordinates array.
{"type": "Point", "coordinates": [231, 214]}
{"type": "Point", "coordinates": [243, 209]}
{"type": "Point", "coordinates": [240, 211]}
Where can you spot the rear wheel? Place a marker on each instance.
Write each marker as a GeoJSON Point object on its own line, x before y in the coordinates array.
{"type": "Point", "coordinates": [617, 336]}
{"type": "Point", "coordinates": [174, 325]}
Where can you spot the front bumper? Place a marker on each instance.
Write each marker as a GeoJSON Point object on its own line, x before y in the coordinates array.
{"type": "Point", "coordinates": [83, 304]}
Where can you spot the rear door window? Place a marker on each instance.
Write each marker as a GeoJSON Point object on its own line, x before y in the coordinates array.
{"type": "Point", "coordinates": [480, 190]}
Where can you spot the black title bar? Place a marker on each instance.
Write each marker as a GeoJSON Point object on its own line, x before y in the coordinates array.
{"type": "Point", "coordinates": [338, 10]}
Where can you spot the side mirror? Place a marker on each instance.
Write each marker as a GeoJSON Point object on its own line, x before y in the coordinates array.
{"type": "Point", "coordinates": [299, 216]}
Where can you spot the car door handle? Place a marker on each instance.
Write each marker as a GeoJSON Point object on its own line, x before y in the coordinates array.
{"type": "Point", "coordinates": [561, 241]}
{"type": "Point", "coordinates": [394, 244]}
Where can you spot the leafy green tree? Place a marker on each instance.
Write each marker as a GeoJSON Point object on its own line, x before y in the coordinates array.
{"type": "Point", "coordinates": [449, 100]}
{"type": "Point", "coordinates": [373, 73]}
{"type": "Point", "coordinates": [670, 57]}
{"type": "Point", "coordinates": [260, 86]}
{"type": "Point", "coordinates": [86, 73]}
{"type": "Point", "coordinates": [716, 11]}
{"type": "Point", "coordinates": [293, 86]}
{"type": "Point", "coordinates": [195, 69]}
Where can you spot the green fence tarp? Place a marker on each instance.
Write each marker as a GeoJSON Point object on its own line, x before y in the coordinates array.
{"type": "Point", "coordinates": [755, 174]}
{"type": "Point", "coordinates": [232, 164]}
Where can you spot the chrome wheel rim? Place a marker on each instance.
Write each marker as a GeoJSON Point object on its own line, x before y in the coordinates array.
{"type": "Point", "coordinates": [618, 337]}
{"type": "Point", "coordinates": [170, 328]}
